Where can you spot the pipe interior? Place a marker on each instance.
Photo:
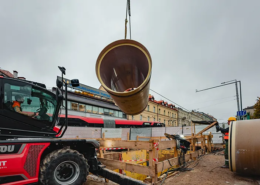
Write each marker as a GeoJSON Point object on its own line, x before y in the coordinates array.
{"type": "Point", "coordinates": [124, 67]}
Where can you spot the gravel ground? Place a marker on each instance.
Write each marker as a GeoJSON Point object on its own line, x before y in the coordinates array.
{"type": "Point", "coordinates": [206, 172]}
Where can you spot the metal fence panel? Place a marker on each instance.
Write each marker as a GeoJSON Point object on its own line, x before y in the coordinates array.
{"type": "Point", "coordinates": [124, 133]}
{"type": "Point", "coordinates": [82, 132]}
{"type": "Point", "coordinates": [217, 136]}
{"type": "Point", "coordinates": [187, 131]}
{"type": "Point", "coordinates": [178, 130]}
{"type": "Point", "coordinates": [112, 132]}
{"type": "Point", "coordinates": [146, 132]}
{"type": "Point", "coordinates": [199, 128]}
{"type": "Point", "coordinates": [217, 139]}
{"type": "Point", "coordinates": [158, 131]}
{"type": "Point", "coordinates": [173, 130]}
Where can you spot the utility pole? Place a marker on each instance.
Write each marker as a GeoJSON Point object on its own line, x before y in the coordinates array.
{"type": "Point", "coordinates": [237, 98]}
{"type": "Point", "coordinates": [228, 83]}
{"type": "Point", "coordinates": [235, 81]}
{"type": "Point", "coordinates": [240, 95]}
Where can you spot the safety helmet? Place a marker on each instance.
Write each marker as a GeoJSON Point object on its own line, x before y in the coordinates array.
{"type": "Point", "coordinates": [232, 119]}
{"type": "Point", "coordinates": [19, 98]}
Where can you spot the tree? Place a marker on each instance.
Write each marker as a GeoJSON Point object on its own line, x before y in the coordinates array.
{"type": "Point", "coordinates": [257, 109]}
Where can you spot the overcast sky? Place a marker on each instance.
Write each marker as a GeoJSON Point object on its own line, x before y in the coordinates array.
{"type": "Point", "coordinates": [193, 44]}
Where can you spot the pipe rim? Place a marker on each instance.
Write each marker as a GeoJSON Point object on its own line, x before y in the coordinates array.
{"type": "Point", "coordinates": [118, 43]}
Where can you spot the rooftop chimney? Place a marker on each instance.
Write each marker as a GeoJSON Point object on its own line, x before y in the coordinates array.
{"type": "Point", "coordinates": [22, 78]}
{"type": "Point", "coordinates": [15, 73]}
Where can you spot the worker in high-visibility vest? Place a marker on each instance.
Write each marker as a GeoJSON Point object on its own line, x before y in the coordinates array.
{"type": "Point", "coordinates": [225, 131]}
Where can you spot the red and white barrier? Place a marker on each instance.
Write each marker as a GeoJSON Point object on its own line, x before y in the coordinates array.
{"type": "Point", "coordinates": [112, 148]}
{"type": "Point", "coordinates": [134, 160]}
{"type": "Point", "coordinates": [156, 146]}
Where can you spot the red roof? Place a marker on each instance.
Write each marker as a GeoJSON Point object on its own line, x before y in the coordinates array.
{"type": "Point", "coordinates": [7, 73]}
{"type": "Point", "coordinates": [160, 101]}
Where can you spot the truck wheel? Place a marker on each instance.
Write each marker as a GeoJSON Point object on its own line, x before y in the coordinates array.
{"type": "Point", "coordinates": [64, 166]}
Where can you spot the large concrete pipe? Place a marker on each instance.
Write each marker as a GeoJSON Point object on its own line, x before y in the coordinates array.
{"type": "Point", "coordinates": [244, 147]}
{"type": "Point", "coordinates": [124, 70]}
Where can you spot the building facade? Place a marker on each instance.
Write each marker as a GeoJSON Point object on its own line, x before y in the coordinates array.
{"type": "Point", "coordinates": [91, 102]}
{"type": "Point", "coordinates": [159, 111]}
{"type": "Point", "coordinates": [201, 116]}
{"type": "Point", "coordinates": [184, 117]}
{"type": "Point", "coordinates": [249, 112]}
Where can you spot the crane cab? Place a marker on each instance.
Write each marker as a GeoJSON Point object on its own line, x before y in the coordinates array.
{"type": "Point", "coordinates": [27, 109]}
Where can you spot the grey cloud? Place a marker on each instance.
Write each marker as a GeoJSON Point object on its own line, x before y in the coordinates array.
{"type": "Point", "coordinates": [194, 44]}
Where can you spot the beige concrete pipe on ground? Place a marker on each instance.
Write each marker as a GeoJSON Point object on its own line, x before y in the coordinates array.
{"type": "Point", "coordinates": [124, 70]}
{"type": "Point", "coordinates": [244, 147]}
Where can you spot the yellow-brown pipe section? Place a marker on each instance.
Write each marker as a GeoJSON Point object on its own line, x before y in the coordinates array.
{"type": "Point", "coordinates": [123, 65]}
{"type": "Point", "coordinates": [244, 147]}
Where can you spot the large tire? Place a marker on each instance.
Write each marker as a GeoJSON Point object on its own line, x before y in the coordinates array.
{"type": "Point", "coordinates": [64, 166]}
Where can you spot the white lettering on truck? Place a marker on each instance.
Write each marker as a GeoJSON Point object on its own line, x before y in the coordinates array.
{"type": "Point", "coordinates": [9, 148]}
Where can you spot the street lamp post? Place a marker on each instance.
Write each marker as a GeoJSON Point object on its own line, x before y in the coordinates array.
{"type": "Point", "coordinates": [229, 83]}
{"type": "Point", "coordinates": [235, 81]}
{"type": "Point", "coordinates": [183, 125]}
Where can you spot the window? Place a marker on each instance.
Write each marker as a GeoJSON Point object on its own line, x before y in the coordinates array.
{"type": "Point", "coordinates": [148, 118]}
{"type": "Point", "coordinates": [148, 107]}
{"type": "Point", "coordinates": [132, 117]}
{"type": "Point", "coordinates": [153, 109]}
{"type": "Point", "coordinates": [89, 108]}
{"type": "Point", "coordinates": [116, 114]}
{"type": "Point", "coordinates": [159, 119]}
{"type": "Point", "coordinates": [159, 111]}
{"type": "Point", "coordinates": [120, 114]}
{"type": "Point", "coordinates": [164, 112]}
{"type": "Point", "coordinates": [100, 110]}
{"type": "Point", "coordinates": [153, 119]}
{"type": "Point", "coordinates": [111, 112]}
{"type": "Point", "coordinates": [69, 104]}
{"type": "Point", "coordinates": [74, 106]}
{"type": "Point", "coordinates": [95, 109]}
{"type": "Point", "coordinates": [82, 108]}
{"type": "Point", "coordinates": [32, 100]}
{"type": "Point", "coordinates": [164, 121]}
{"type": "Point", "coordinates": [141, 117]}
{"type": "Point", "coordinates": [106, 111]}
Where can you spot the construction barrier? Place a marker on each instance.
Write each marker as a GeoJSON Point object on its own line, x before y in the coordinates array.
{"type": "Point", "coordinates": [141, 134]}
{"type": "Point", "coordinates": [149, 159]}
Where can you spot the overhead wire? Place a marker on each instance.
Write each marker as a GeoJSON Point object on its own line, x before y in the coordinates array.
{"type": "Point", "coordinates": [190, 112]}
{"type": "Point", "coordinates": [212, 100]}
{"type": "Point", "coordinates": [216, 104]}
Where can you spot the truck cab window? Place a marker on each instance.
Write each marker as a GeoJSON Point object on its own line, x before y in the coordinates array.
{"type": "Point", "coordinates": [30, 101]}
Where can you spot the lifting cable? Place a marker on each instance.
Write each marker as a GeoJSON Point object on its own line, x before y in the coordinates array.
{"type": "Point", "coordinates": [126, 21]}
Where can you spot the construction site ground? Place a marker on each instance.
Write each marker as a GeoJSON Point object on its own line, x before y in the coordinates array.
{"type": "Point", "coordinates": [207, 170]}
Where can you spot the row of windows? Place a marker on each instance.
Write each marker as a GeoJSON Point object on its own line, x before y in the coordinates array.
{"type": "Point", "coordinates": [94, 109]}
{"type": "Point", "coordinates": [170, 122]}
{"type": "Point", "coordinates": [170, 114]}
